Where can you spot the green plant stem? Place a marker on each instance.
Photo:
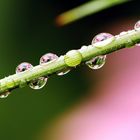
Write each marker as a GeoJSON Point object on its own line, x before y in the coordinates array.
{"type": "Point", "coordinates": [86, 9]}
{"type": "Point", "coordinates": [22, 79]}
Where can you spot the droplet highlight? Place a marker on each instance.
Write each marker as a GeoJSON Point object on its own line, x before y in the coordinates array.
{"type": "Point", "coordinates": [97, 62]}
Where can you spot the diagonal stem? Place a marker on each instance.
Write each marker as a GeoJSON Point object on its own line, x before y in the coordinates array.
{"type": "Point", "coordinates": [69, 60]}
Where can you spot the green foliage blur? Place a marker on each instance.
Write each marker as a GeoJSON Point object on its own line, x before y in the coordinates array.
{"type": "Point", "coordinates": [27, 31]}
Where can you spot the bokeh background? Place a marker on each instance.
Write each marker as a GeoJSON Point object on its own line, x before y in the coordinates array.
{"type": "Point", "coordinates": [27, 31]}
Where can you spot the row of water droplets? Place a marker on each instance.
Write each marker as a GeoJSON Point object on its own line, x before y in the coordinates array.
{"type": "Point", "coordinates": [98, 41]}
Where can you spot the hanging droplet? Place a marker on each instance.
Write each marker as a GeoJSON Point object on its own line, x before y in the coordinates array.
{"type": "Point", "coordinates": [5, 94]}
{"type": "Point", "coordinates": [102, 40]}
{"type": "Point", "coordinates": [38, 83]}
{"type": "Point", "coordinates": [137, 26]}
{"type": "Point", "coordinates": [63, 72]}
{"type": "Point", "coordinates": [48, 57]}
{"type": "Point", "coordinates": [23, 66]}
{"type": "Point", "coordinates": [97, 62]}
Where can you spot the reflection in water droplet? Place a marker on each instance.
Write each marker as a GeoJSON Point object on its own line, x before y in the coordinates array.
{"type": "Point", "coordinates": [23, 66]}
{"type": "Point", "coordinates": [5, 94]}
{"type": "Point", "coordinates": [97, 62]}
{"type": "Point", "coordinates": [38, 83]}
{"type": "Point", "coordinates": [102, 40]}
{"type": "Point", "coordinates": [137, 26]}
{"type": "Point", "coordinates": [48, 57]}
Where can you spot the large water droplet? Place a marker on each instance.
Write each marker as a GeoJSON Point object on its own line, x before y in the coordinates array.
{"type": "Point", "coordinates": [102, 40]}
{"type": "Point", "coordinates": [23, 66]}
{"type": "Point", "coordinates": [38, 83]}
{"type": "Point", "coordinates": [97, 62]}
{"type": "Point", "coordinates": [5, 94]}
{"type": "Point", "coordinates": [73, 58]}
{"type": "Point", "coordinates": [48, 57]}
{"type": "Point", "coordinates": [137, 26]}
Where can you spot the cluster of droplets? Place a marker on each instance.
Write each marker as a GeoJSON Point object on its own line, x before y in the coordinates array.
{"type": "Point", "coordinates": [36, 83]}
{"type": "Point", "coordinates": [51, 57]}
{"type": "Point", "coordinates": [95, 63]}
{"type": "Point", "coordinates": [99, 41]}
{"type": "Point", "coordinates": [104, 39]}
{"type": "Point", "coordinates": [41, 81]}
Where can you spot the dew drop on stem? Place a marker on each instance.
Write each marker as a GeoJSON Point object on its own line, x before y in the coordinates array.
{"type": "Point", "coordinates": [102, 39]}
{"type": "Point", "coordinates": [97, 62]}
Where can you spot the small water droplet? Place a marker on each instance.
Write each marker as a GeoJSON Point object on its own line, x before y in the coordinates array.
{"type": "Point", "coordinates": [84, 47]}
{"type": "Point", "coordinates": [5, 94]}
{"type": "Point", "coordinates": [137, 26]}
{"type": "Point", "coordinates": [48, 57]}
{"type": "Point", "coordinates": [123, 33]}
{"type": "Point", "coordinates": [102, 40]}
{"type": "Point", "coordinates": [23, 66]}
{"type": "Point", "coordinates": [97, 62]}
{"type": "Point", "coordinates": [38, 83]}
{"type": "Point", "coordinates": [63, 72]}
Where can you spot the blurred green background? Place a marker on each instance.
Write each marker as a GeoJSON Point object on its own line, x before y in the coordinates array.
{"type": "Point", "coordinates": [27, 31]}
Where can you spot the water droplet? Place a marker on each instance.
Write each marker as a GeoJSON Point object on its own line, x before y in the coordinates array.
{"type": "Point", "coordinates": [97, 62]}
{"type": "Point", "coordinates": [5, 94]}
{"type": "Point", "coordinates": [102, 40]}
{"type": "Point", "coordinates": [137, 26]}
{"type": "Point", "coordinates": [63, 72]}
{"type": "Point", "coordinates": [38, 83]}
{"type": "Point", "coordinates": [73, 58]}
{"type": "Point", "coordinates": [84, 48]}
{"type": "Point", "coordinates": [23, 66]}
{"type": "Point", "coordinates": [48, 57]}
{"type": "Point", "coordinates": [123, 33]}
